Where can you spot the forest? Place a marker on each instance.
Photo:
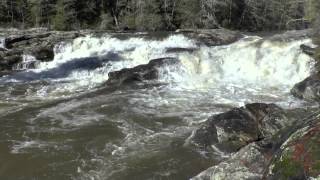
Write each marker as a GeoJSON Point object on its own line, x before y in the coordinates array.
{"type": "Point", "coordinates": [155, 15]}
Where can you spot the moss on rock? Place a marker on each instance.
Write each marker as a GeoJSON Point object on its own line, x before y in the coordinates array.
{"type": "Point", "coordinates": [300, 156]}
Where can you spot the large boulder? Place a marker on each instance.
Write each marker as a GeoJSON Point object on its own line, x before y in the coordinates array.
{"type": "Point", "coordinates": [146, 72]}
{"type": "Point", "coordinates": [254, 134]}
{"type": "Point", "coordinates": [228, 132]}
{"type": "Point", "coordinates": [299, 156]}
{"type": "Point", "coordinates": [309, 89]}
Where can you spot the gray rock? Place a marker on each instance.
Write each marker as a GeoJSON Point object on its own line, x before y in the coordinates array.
{"type": "Point", "coordinates": [38, 43]}
{"type": "Point", "coordinates": [251, 161]}
{"type": "Point", "coordinates": [212, 37]}
{"type": "Point", "coordinates": [146, 72]}
{"type": "Point", "coordinates": [248, 163]}
{"type": "Point", "coordinates": [228, 132]}
{"type": "Point", "coordinates": [299, 156]}
{"type": "Point", "coordinates": [309, 89]}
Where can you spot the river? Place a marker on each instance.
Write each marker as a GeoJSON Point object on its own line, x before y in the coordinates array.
{"type": "Point", "coordinates": [60, 121]}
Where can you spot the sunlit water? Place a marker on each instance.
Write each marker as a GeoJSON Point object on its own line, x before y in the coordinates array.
{"type": "Point", "coordinates": [60, 120]}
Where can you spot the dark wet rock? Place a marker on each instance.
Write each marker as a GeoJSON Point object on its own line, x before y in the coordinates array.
{"type": "Point", "coordinates": [38, 43]}
{"type": "Point", "coordinates": [140, 73]}
{"type": "Point", "coordinates": [308, 50]}
{"type": "Point", "coordinates": [181, 50]}
{"type": "Point", "coordinates": [44, 54]}
{"type": "Point", "coordinates": [228, 132]}
{"type": "Point", "coordinates": [9, 58]}
{"type": "Point", "coordinates": [212, 37]}
{"type": "Point", "coordinates": [299, 156]}
{"type": "Point", "coordinates": [309, 89]}
{"type": "Point", "coordinates": [18, 40]}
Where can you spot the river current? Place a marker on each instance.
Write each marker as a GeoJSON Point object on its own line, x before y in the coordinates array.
{"type": "Point", "coordinates": [61, 121]}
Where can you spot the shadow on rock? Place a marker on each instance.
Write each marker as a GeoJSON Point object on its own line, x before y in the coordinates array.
{"type": "Point", "coordinates": [141, 73]}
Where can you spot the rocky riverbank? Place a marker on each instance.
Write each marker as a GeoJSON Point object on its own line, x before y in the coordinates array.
{"type": "Point", "coordinates": [262, 141]}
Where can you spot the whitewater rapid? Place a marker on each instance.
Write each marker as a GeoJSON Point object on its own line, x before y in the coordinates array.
{"type": "Point", "coordinates": [70, 124]}
{"type": "Point", "coordinates": [251, 69]}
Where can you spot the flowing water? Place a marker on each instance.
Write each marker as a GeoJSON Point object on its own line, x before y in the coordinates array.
{"type": "Point", "coordinates": [60, 120]}
{"type": "Point", "coordinates": [2, 42]}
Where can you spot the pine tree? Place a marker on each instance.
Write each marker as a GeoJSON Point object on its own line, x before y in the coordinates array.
{"type": "Point", "coordinates": [149, 16]}
{"type": "Point", "coordinates": [43, 12]}
{"type": "Point", "coordinates": [24, 13]}
{"type": "Point", "coordinates": [106, 20]}
{"type": "Point", "coordinates": [188, 14]}
{"type": "Point", "coordinates": [88, 12]}
{"type": "Point", "coordinates": [59, 21]}
{"type": "Point", "coordinates": [4, 12]}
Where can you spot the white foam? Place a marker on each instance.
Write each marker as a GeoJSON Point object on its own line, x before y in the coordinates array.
{"type": "Point", "coordinates": [250, 70]}
{"type": "Point", "coordinates": [27, 62]}
{"type": "Point", "coordinates": [250, 63]}
{"type": "Point", "coordinates": [250, 60]}
{"type": "Point", "coordinates": [133, 52]}
{"type": "Point", "coordinates": [2, 42]}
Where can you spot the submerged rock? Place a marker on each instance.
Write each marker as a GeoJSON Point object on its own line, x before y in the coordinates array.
{"type": "Point", "coordinates": [299, 156]}
{"type": "Point", "coordinates": [140, 73]}
{"type": "Point", "coordinates": [309, 89]}
{"type": "Point", "coordinates": [230, 131]}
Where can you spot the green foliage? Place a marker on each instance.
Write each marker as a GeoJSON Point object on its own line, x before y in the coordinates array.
{"type": "Point", "coordinates": [150, 17]}
{"type": "Point", "coordinates": [286, 168]}
{"type": "Point", "coordinates": [59, 20]}
{"type": "Point", "coordinates": [313, 14]}
{"type": "Point", "coordinates": [106, 22]}
{"type": "Point", "coordinates": [188, 14]}
{"type": "Point", "coordinates": [312, 10]}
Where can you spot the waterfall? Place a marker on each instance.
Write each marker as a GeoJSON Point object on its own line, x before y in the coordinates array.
{"type": "Point", "coordinates": [244, 71]}
{"type": "Point", "coordinates": [28, 62]}
{"type": "Point", "coordinates": [251, 61]}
